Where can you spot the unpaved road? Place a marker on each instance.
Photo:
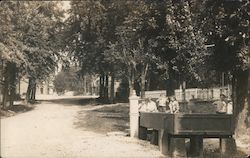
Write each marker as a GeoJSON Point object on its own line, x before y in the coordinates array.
{"type": "Point", "coordinates": [49, 131]}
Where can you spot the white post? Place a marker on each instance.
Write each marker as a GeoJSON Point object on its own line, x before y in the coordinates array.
{"type": "Point", "coordinates": [196, 93]}
{"type": "Point", "coordinates": [134, 115]}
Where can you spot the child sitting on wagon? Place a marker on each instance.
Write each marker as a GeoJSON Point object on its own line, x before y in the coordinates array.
{"type": "Point", "coordinates": [148, 106]}
{"type": "Point", "coordinates": [174, 106]}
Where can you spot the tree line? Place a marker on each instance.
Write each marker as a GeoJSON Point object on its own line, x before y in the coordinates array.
{"type": "Point", "coordinates": [29, 44]}
{"type": "Point", "coordinates": [185, 39]}
{"type": "Point", "coordinates": [129, 40]}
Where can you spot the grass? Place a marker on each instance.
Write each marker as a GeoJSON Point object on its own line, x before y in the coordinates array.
{"type": "Point", "coordinates": [116, 118]}
{"type": "Point", "coordinates": [15, 109]}
{"type": "Point", "coordinates": [105, 119]}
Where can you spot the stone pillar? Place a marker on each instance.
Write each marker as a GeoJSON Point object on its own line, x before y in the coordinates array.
{"type": "Point", "coordinates": [134, 115]}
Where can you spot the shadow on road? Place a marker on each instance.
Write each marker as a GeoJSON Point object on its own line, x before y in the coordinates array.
{"type": "Point", "coordinates": [73, 101]}
{"type": "Point", "coordinates": [105, 119]}
{"type": "Point", "coordinates": [14, 110]}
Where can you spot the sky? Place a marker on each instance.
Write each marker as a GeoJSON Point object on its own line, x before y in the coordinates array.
{"type": "Point", "coordinates": [66, 5]}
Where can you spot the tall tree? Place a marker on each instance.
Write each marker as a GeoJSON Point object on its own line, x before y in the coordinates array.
{"type": "Point", "coordinates": [29, 41]}
{"type": "Point", "coordinates": [83, 35]}
{"type": "Point", "coordinates": [226, 24]}
{"type": "Point", "coordinates": [136, 39]}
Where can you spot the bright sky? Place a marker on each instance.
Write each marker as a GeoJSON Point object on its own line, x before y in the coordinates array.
{"type": "Point", "coordinates": [66, 5]}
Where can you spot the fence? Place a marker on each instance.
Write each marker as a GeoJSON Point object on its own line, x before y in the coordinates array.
{"type": "Point", "coordinates": [155, 94]}
{"type": "Point", "coordinates": [203, 94]}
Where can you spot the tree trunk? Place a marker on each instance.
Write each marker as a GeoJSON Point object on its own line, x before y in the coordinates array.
{"type": "Point", "coordinates": [5, 90]}
{"type": "Point", "coordinates": [12, 83]}
{"type": "Point", "coordinates": [183, 90]}
{"type": "Point", "coordinates": [143, 80]}
{"type": "Point", "coordinates": [169, 82]}
{"type": "Point", "coordinates": [101, 89]}
{"type": "Point", "coordinates": [84, 85]}
{"type": "Point", "coordinates": [112, 89]}
{"type": "Point", "coordinates": [28, 92]}
{"type": "Point", "coordinates": [241, 102]}
{"type": "Point", "coordinates": [148, 84]}
{"type": "Point", "coordinates": [31, 90]}
{"type": "Point", "coordinates": [1, 81]}
{"type": "Point", "coordinates": [33, 95]}
{"type": "Point", "coordinates": [106, 88]}
{"type": "Point", "coordinates": [9, 87]}
{"type": "Point", "coordinates": [90, 85]}
{"type": "Point", "coordinates": [131, 79]}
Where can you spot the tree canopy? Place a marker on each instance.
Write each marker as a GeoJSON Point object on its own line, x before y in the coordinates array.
{"type": "Point", "coordinates": [29, 40]}
{"type": "Point", "coordinates": [130, 40]}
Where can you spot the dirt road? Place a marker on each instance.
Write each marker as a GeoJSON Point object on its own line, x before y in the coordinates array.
{"type": "Point", "coordinates": [49, 131]}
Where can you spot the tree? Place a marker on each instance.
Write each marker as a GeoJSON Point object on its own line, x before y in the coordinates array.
{"type": "Point", "coordinates": [136, 40]}
{"type": "Point", "coordinates": [226, 24]}
{"type": "Point", "coordinates": [68, 80]}
{"type": "Point", "coordinates": [42, 36]}
{"type": "Point", "coordinates": [89, 33]}
{"type": "Point", "coordinates": [191, 25]}
{"type": "Point", "coordinates": [83, 35]}
{"type": "Point", "coordinates": [10, 45]}
{"type": "Point", "coordinates": [29, 42]}
{"type": "Point", "coordinates": [222, 24]}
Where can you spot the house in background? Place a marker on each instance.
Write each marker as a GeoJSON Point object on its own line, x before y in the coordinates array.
{"type": "Point", "coordinates": [43, 88]}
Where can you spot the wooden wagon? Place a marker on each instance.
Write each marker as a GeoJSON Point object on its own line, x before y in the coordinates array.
{"type": "Point", "coordinates": [192, 126]}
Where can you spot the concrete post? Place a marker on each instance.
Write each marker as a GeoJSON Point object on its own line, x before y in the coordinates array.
{"type": "Point", "coordinates": [134, 115]}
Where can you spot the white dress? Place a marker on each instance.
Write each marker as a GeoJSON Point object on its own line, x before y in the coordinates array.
{"type": "Point", "coordinates": [230, 108]}
{"type": "Point", "coordinates": [162, 101]}
{"type": "Point", "coordinates": [151, 107]}
{"type": "Point", "coordinates": [175, 106]}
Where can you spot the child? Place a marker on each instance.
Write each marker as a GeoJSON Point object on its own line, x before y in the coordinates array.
{"type": "Point", "coordinates": [162, 103]}
{"type": "Point", "coordinates": [151, 106]}
{"type": "Point", "coordinates": [221, 105]}
{"type": "Point", "coordinates": [174, 106]}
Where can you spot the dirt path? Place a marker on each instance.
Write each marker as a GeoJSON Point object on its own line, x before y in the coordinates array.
{"type": "Point", "coordinates": [49, 131]}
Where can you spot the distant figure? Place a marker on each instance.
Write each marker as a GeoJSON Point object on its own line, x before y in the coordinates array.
{"type": "Point", "coordinates": [162, 100]}
{"type": "Point", "coordinates": [221, 105]}
{"type": "Point", "coordinates": [168, 106]}
{"type": "Point", "coordinates": [230, 107]}
{"type": "Point", "coordinates": [174, 106]}
{"type": "Point", "coordinates": [148, 106]}
{"type": "Point", "coordinates": [151, 105]}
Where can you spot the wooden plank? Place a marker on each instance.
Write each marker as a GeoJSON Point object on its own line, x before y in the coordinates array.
{"type": "Point", "coordinates": [206, 124]}
{"type": "Point", "coordinates": [188, 124]}
{"type": "Point", "coordinates": [155, 120]}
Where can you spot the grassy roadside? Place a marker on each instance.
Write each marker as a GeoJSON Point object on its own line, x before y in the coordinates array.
{"type": "Point", "coordinates": [14, 110]}
{"type": "Point", "coordinates": [105, 119]}
{"type": "Point", "coordinates": [112, 118]}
